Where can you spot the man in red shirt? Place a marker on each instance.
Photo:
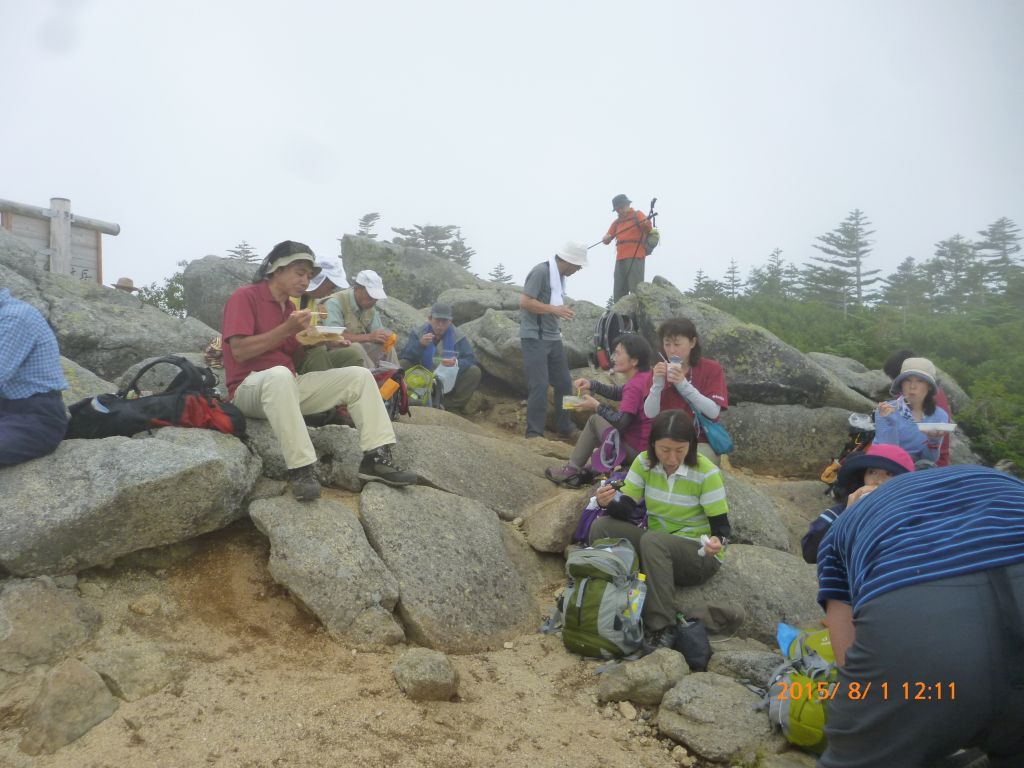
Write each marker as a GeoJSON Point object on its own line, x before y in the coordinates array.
{"type": "Point", "coordinates": [260, 323]}
{"type": "Point", "coordinates": [628, 231]}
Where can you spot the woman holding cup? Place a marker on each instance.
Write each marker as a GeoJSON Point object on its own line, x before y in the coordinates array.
{"type": "Point", "coordinates": [686, 380]}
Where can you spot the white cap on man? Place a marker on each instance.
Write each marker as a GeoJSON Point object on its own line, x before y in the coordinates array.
{"type": "Point", "coordinates": [371, 281]}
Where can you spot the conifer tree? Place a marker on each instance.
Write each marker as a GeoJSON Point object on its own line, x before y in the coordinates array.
{"type": "Point", "coordinates": [499, 275]}
{"type": "Point", "coordinates": [999, 250]}
{"type": "Point", "coordinates": [245, 252]}
{"type": "Point", "coordinates": [845, 248]}
{"type": "Point", "coordinates": [366, 224]}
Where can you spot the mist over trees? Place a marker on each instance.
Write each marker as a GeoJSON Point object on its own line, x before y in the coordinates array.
{"type": "Point", "coordinates": [962, 306]}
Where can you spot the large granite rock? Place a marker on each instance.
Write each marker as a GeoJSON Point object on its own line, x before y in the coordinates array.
{"type": "Point", "coordinates": [101, 328]}
{"type": "Point", "coordinates": [337, 448]}
{"type": "Point", "coordinates": [771, 586]}
{"type": "Point", "coordinates": [460, 592]}
{"type": "Point", "coordinates": [470, 303]}
{"type": "Point", "coordinates": [504, 478]}
{"type": "Point", "coordinates": [785, 440]}
{"type": "Point", "coordinates": [319, 552]}
{"type": "Point", "coordinates": [410, 274]}
{"type": "Point", "coordinates": [92, 501]}
{"type": "Point", "coordinates": [874, 385]}
{"type": "Point", "coordinates": [754, 517]}
{"type": "Point", "coordinates": [207, 283]}
{"type": "Point", "coordinates": [550, 523]}
{"type": "Point", "coordinates": [400, 317]}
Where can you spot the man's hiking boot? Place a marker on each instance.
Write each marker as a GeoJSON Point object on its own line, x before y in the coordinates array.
{"type": "Point", "coordinates": [380, 465]}
{"type": "Point", "coordinates": [567, 475]}
{"type": "Point", "coordinates": [659, 638]}
{"type": "Point", "coordinates": [304, 483]}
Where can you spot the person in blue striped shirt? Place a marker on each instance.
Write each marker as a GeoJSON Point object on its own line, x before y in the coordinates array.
{"type": "Point", "coordinates": [923, 588]}
{"type": "Point", "coordinates": [32, 414]}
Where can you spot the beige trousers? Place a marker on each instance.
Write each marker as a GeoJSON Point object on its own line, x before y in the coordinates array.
{"type": "Point", "coordinates": [281, 397]}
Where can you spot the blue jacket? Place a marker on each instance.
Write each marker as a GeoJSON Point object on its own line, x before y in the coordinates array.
{"type": "Point", "coordinates": [898, 428]}
{"type": "Point", "coordinates": [454, 339]}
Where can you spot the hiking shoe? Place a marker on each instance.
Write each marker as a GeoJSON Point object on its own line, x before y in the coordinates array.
{"type": "Point", "coordinates": [380, 465]}
{"type": "Point", "coordinates": [305, 486]}
{"type": "Point", "coordinates": [567, 475]}
{"type": "Point", "coordinates": [659, 638]}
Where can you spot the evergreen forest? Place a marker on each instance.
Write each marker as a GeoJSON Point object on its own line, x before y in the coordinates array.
{"type": "Point", "coordinates": [962, 307]}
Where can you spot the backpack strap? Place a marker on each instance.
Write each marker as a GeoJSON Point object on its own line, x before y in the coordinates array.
{"type": "Point", "coordinates": [189, 373]}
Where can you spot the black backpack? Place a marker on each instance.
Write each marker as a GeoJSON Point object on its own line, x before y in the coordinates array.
{"type": "Point", "coordinates": [190, 400]}
{"type": "Point", "coordinates": [610, 326]}
{"type": "Point", "coordinates": [861, 434]}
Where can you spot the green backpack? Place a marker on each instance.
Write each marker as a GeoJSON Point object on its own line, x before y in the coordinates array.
{"type": "Point", "coordinates": [603, 601]}
{"type": "Point", "coordinates": [420, 384]}
{"type": "Point", "coordinates": [799, 688]}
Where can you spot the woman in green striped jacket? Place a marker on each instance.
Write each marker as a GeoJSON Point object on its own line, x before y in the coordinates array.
{"type": "Point", "coordinates": [685, 497]}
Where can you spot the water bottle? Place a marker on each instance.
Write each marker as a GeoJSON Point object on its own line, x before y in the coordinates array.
{"type": "Point", "coordinates": [635, 597]}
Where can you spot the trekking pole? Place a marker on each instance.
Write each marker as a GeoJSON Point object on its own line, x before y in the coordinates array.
{"type": "Point", "coordinates": [599, 242]}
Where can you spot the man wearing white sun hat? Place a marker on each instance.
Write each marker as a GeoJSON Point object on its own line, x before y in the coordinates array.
{"type": "Point", "coordinates": [542, 307]}
{"type": "Point", "coordinates": [356, 309]}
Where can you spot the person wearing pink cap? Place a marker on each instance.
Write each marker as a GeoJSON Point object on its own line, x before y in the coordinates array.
{"type": "Point", "coordinates": [860, 474]}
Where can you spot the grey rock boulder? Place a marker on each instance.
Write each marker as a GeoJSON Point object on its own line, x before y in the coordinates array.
{"type": "Point", "coordinates": [550, 523]}
{"type": "Point", "coordinates": [470, 303]}
{"type": "Point", "coordinates": [874, 385]}
{"type": "Point", "coordinates": [771, 586]}
{"type": "Point", "coordinates": [337, 448]}
{"type": "Point", "coordinates": [460, 592]}
{"type": "Point", "coordinates": [426, 675]}
{"type": "Point", "coordinates": [713, 716]}
{"type": "Point", "coordinates": [754, 517]}
{"type": "Point", "coordinates": [208, 283]}
{"type": "Point", "coordinates": [492, 471]}
{"type": "Point", "coordinates": [644, 681]}
{"type": "Point", "coordinates": [40, 623]}
{"type": "Point", "coordinates": [409, 274]}
{"type": "Point", "coordinates": [785, 440]}
{"type": "Point", "coordinates": [92, 501]}
{"type": "Point", "coordinates": [319, 552]}
{"type": "Point", "coordinates": [72, 701]}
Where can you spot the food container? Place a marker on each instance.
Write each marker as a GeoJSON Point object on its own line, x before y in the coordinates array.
{"type": "Point", "coordinates": [939, 427]}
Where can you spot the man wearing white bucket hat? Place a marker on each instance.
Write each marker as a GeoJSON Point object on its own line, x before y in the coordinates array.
{"type": "Point", "coordinates": [542, 307]}
{"type": "Point", "coordinates": [356, 309]}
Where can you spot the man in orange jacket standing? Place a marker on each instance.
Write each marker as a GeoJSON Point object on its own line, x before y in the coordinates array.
{"type": "Point", "coordinates": [628, 231]}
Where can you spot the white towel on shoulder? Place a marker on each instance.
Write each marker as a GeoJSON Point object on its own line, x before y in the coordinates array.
{"type": "Point", "coordinates": [557, 283]}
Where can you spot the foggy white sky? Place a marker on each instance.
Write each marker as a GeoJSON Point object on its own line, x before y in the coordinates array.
{"type": "Point", "coordinates": [198, 124]}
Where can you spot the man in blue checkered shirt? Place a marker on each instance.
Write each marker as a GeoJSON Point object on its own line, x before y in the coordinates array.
{"type": "Point", "coordinates": [32, 414]}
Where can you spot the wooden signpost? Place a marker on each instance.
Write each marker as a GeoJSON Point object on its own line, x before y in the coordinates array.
{"type": "Point", "coordinates": [65, 243]}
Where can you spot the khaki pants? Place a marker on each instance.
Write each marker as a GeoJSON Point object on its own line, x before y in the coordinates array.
{"type": "Point", "coordinates": [282, 398]}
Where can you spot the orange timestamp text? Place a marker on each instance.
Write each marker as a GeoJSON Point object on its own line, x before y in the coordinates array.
{"type": "Point", "coordinates": [822, 690]}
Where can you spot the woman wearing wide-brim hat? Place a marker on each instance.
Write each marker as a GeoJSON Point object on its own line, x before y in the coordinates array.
{"type": "Point", "coordinates": [896, 421]}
